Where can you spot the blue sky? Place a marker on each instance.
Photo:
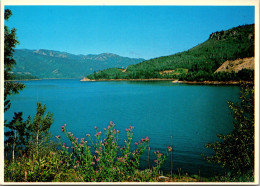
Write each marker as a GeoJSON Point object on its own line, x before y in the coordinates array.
{"type": "Point", "coordinates": [131, 31]}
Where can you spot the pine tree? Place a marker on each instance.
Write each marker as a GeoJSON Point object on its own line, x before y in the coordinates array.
{"type": "Point", "coordinates": [39, 127]}
{"type": "Point", "coordinates": [16, 134]}
{"type": "Point", "coordinates": [10, 41]}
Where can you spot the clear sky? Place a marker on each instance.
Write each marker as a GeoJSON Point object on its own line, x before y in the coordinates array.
{"type": "Point", "coordinates": [131, 31]}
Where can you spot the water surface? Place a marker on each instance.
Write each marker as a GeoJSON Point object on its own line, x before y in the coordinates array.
{"type": "Point", "coordinates": [192, 115]}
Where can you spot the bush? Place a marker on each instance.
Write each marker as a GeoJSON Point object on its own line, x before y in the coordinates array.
{"type": "Point", "coordinates": [106, 161]}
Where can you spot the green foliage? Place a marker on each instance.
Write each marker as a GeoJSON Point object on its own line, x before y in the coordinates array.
{"type": "Point", "coordinates": [235, 151]}
{"type": "Point", "coordinates": [96, 160]}
{"type": "Point", "coordinates": [24, 136]}
{"type": "Point", "coordinates": [107, 161]}
{"type": "Point", "coordinates": [10, 41]}
{"type": "Point", "coordinates": [39, 127]}
{"type": "Point", "coordinates": [200, 62]}
{"type": "Point", "coordinates": [16, 135]}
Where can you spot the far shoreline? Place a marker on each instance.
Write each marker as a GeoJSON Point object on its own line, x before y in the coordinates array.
{"type": "Point", "coordinates": [172, 80]}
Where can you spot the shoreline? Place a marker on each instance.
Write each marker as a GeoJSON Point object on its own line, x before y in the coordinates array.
{"type": "Point", "coordinates": [172, 80]}
{"type": "Point", "coordinates": [37, 79]}
{"type": "Point", "coordinates": [86, 79]}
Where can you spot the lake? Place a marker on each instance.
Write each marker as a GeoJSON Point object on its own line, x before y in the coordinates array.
{"type": "Point", "coordinates": [190, 115]}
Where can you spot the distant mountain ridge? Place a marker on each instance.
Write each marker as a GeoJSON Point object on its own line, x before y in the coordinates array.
{"type": "Point", "coordinates": [55, 64]}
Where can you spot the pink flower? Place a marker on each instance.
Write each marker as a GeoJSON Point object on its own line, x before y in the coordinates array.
{"type": "Point", "coordinates": [146, 139]}
{"type": "Point", "coordinates": [58, 136]}
{"type": "Point", "coordinates": [62, 127]}
{"type": "Point", "coordinates": [169, 149]}
{"type": "Point", "coordinates": [97, 159]}
{"type": "Point", "coordinates": [67, 147]}
{"type": "Point", "coordinates": [155, 161]}
{"type": "Point", "coordinates": [111, 123]}
{"type": "Point", "coordinates": [105, 129]}
{"type": "Point", "coordinates": [65, 125]}
{"type": "Point", "coordinates": [97, 134]}
{"type": "Point", "coordinates": [126, 130]}
{"type": "Point", "coordinates": [136, 143]}
{"type": "Point", "coordinates": [95, 127]}
{"type": "Point", "coordinates": [93, 163]}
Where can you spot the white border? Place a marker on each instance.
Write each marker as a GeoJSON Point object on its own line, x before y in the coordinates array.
{"type": "Point", "coordinates": [136, 3]}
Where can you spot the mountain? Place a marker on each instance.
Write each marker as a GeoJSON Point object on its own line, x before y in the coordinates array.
{"type": "Point", "coordinates": [199, 63]}
{"type": "Point", "coordinates": [56, 64]}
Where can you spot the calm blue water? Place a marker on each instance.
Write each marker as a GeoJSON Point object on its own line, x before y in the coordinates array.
{"type": "Point", "coordinates": [192, 114]}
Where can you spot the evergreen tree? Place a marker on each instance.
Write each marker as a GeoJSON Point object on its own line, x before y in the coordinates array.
{"type": "Point", "coordinates": [10, 41]}
{"type": "Point", "coordinates": [17, 136]}
{"type": "Point", "coordinates": [39, 127]}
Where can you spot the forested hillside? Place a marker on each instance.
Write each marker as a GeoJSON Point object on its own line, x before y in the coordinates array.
{"type": "Point", "coordinates": [56, 64]}
{"type": "Point", "coordinates": [199, 63]}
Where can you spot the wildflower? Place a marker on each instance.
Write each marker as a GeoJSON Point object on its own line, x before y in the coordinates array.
{"type": "Point", "coordinates": [105, 129]}
{"type": "Point", "coordinates": [67, 147]}
{"type": "Point", "coordinates": [126, 130]}
{"type": "Point", "coordinates": [62, 130]}
{"type": "Point", "coordinates": [72, 142]}
{"type": "Point", "coordinates": [81, 145]}
{"type": "Point", "coordinates": [155, 161]}
{"type": "Point", "coordinates": [142, 140]}
{"type": "Point", "coordinates": [77, 161]}
{"type": "Point", "coordinates": [62, 127]}
{"type": "Point", "coordinates": [111, 123]}
{"type": "Point", "coordinates": [65, 125]}
{"type": "Point", "coordinates": [169, 148]}
{"type": "Point", "coordinates": [136, 143]}
{"type": "Point", "coordinates": [97, 134]}
{"type": "Point", "coordinates": [77, 139]}
{"type": "Point", "coordinates": [58, 136]}
{"type": "Point", "coordinates": [97, 159]}
{"type": "Point", "coordinates": [146, 139]}
{"type": "Point", "coordinates": [93, 163]}
{"type": "Point", "coordinates": [117, 131]}
{"type": "Point", "coordinates": [95, 127]}
{"type": "Point", "coordinates": [87, 135]}
{"type": "Point", "coordinates": [108, 127]}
